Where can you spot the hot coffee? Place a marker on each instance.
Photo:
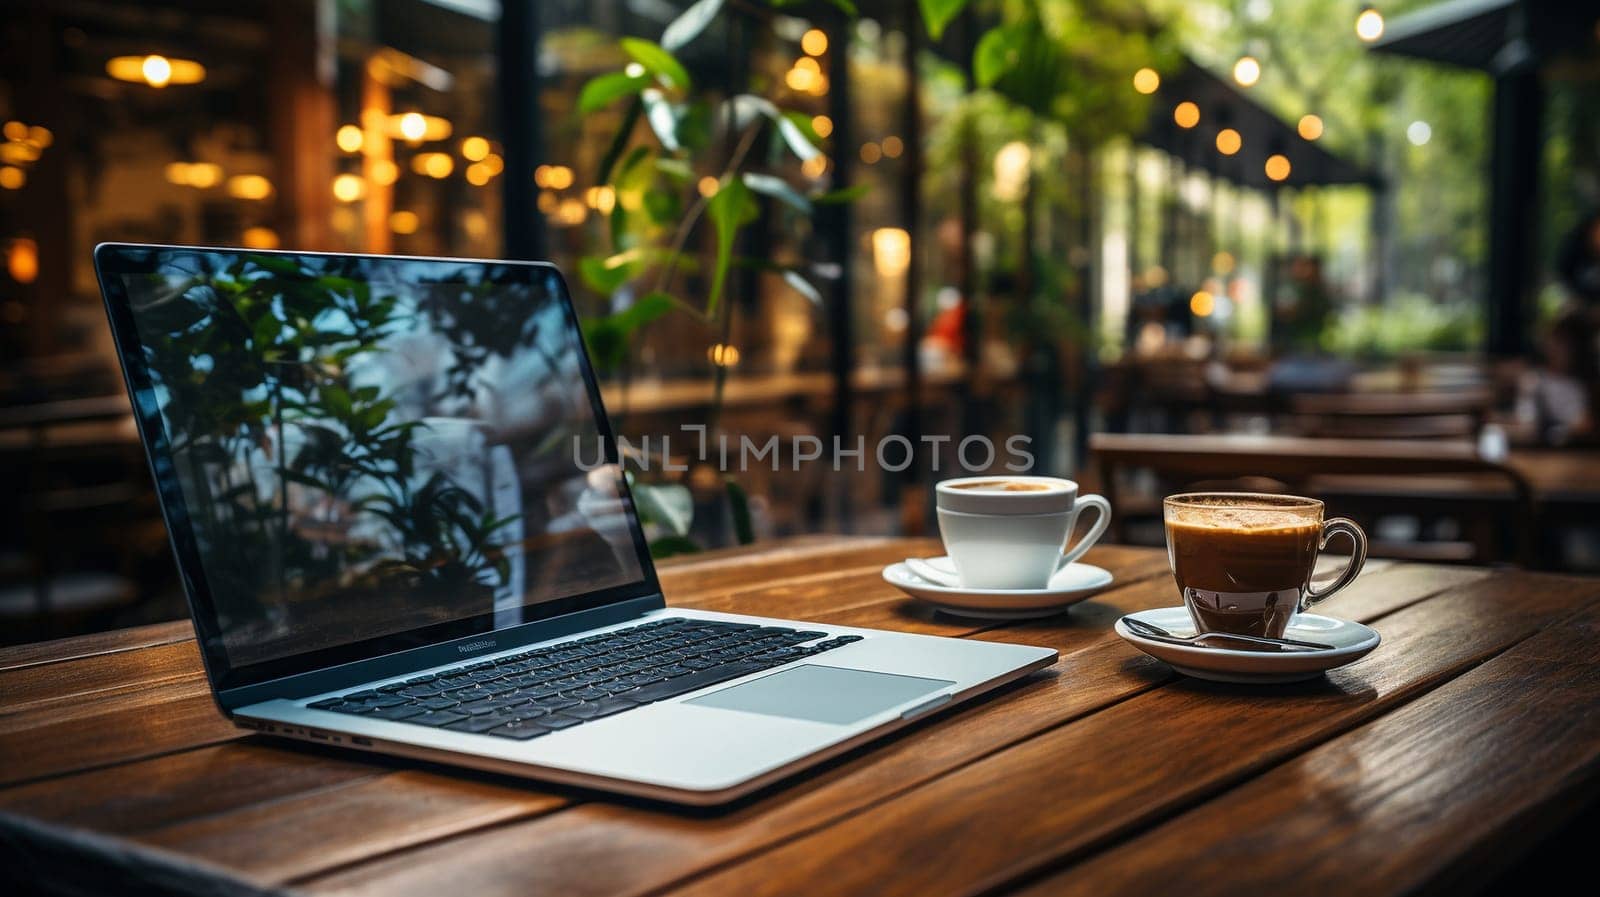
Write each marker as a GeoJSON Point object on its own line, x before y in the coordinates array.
{"type": "Point", "coordinates": [1002, 486]}
{"type": "Point", "coordinates": [1243, 562]}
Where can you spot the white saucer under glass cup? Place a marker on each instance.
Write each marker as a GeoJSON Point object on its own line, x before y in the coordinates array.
{"type": "Point", "coordinates": [1244, 561]}
{"type": "Point", "coordinates": [1011, 532]}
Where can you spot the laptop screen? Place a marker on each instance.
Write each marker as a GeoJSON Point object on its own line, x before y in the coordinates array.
{"type": "Point", "coordinates": [368, 447]}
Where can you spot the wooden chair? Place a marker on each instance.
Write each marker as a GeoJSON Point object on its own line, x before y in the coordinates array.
{"type": "Point", "coordinates": [1391, 415]}
{"type": "Point", "coordinates": [1494, 502]}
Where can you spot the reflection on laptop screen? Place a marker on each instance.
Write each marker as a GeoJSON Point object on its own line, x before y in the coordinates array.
{"type": "Point", "coordinates": [370, 446]}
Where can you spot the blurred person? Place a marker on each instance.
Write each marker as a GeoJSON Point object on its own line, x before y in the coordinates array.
{"type": "Point", "coordinates": [1557, 398]}
{"type": "Point", "coordinates": [1301, 316]}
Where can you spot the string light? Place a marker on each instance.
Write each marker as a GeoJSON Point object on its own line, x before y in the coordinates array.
{"type": "Point", "coordinates": [871, 153]}
{"type": "Point", "coordinates": [1186, 114]}
{"type": "Point", "coordinates": [814, 42]}
{"type": "Point", "coordinates": [822, 124]}
{"type": "Point", "coordinates": [404, 222]}
{"type": "Point", "coordinates": [12, 177]}
{"type": "Point", "coordinates": [349, 188]}
{"type": "Point", "coordinates": [893, 146]}
{"type": "Point", "coordinates": [1369, 25]}
{"type": "Point", "coordinates": [1310, 127]}
{"type": "Point", "coordinates": [1229, 141]}
{"type": "Point", "coordinates": [708, 186]}
{"type": "Point", "coordinates": [1247, 71]}
{"type": "Point", "coordinates": [249, 186]}
{"type": "Point", "coordinates": [1277, 167]}
{"type": "Point", "coordinates": [434, 165]}
{"type": "Point", "coordinates": [1202, 304]}
{"type": "Point", "coordinates": [474, 149]}
{"type": "Point", "coordinates": [155, 70]}
{"type": "Point", "coordinates": [1146, 80]}
{"type": "Point", "coordinates": [260, 238]}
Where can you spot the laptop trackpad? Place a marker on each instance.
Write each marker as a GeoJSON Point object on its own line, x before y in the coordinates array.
{"type": "Point", "coordinates": [823, 694]}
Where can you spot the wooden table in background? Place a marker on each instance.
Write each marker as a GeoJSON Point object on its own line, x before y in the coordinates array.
{"type": "Point", "coordinates": [1429, 765]}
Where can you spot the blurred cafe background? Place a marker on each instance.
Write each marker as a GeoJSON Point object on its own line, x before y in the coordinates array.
{"type": "Point", "coordinates": [1318, 246]}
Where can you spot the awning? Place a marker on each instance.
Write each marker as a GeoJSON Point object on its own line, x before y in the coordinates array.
{"type": "Point", "coordinates": [1493, 35]}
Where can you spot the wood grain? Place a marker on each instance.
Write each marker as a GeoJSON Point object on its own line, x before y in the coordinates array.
{"type": "Point", "coordinates": [68, 649]}
{"type": "Point", "coordinates": [1080, 785]}
{"type": "Point", "coordinates": [1464, 778]}
{"type": "Point", "coordinates": [603, 848]}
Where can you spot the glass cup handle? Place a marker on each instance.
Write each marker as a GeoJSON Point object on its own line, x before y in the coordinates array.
{"type": "Point", "coordinates": [1358, 557]}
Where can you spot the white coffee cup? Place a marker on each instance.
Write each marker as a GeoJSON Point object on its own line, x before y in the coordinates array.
{"type": "Point", "coordinates": [1010, 532]}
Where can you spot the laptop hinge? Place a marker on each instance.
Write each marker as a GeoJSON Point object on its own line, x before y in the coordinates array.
{"type": "Point", "coordinates": [391, 665]}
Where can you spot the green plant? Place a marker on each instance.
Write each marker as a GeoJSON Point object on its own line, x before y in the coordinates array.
{"type": "Point", "coordinates": [673, 135]}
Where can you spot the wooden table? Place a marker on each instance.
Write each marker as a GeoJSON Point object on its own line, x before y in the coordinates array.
{"type": "Point", "coordinates": [1466, 737]}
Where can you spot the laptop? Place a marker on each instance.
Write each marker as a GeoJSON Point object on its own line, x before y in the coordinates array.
{"type": "Point", "coordinates": [403, 527]}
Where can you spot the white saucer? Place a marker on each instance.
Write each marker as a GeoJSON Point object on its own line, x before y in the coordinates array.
{"type": "Point", "coordinates": [1351, 642]}
{"type": "Point", "coordinates": [1071, 584]}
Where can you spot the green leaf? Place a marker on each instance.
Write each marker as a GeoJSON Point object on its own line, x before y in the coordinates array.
{"type": "Point", "coordinates": [266, 331]}
{"type": "Point", "coordinates": [604, 276]}
{"type": "Point", "coordinates": [657, 61]}
{"type": "Point", "coordinates": [796, 138]}
{"type": "Point", "coordinates": [995, 54]}
{"type": "Point", "coordinates": [730, 209]}
{"type": "Point", "coordinates": [778, 189]}
{"type": "Point", "coordinates": [846, 6]}
{"type": "Point", "coordinates": [668, 505]}
{"type": "Point", "coordinates": [647, 308]}
{"type": "Point", "coordinates": [602, 90]}
{"type": "Point", "coordinates": [739, 510]}
{"type": "Point", "coordinates": [938, 14]}
{"type": "Point", "coordinates": [840, 196]}
{"type": "Point", "coordinates": [688, 26]}
{"type": "Point", "coordinates": [663, 120]}
{"type": "Point", "coordinates": [802, 286]}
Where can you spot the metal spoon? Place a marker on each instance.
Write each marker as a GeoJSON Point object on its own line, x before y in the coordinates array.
{"type": "Point", "coordinates": [1211, 639]}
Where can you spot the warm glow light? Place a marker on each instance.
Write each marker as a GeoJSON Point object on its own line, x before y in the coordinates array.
{"type": "Point", "coordinates": [1247, 71]}
{"type": "Point", "coordinates": [806, 77]}
{"type": "Point", "coordinates": [22, 260]}
{"type": "Point", "coordinates": [601, 199]}
{"type": "Point", "coordinates": [1310, 127]}
{"type": "Point", "coordinates": [434, 165]}
{"type": "Point", "coordinates": [349, 138]}
{"type": "Point", "coordinates": [156, 71]}
{"type": "Point", "coordinates": [384, 172]}
{"type": "Point", "coordinates": [1277, 167]}
{"type": "Point", "coordinates": [893, 146]}
{"type": "Point", "coordinates": [414, 127]}
{"type": "Point", "coordinates": [822, 124]}
{"type": "Point", "coordinates": [570, 212]}
{"type": "Point", "coordinates": [1228, 141]}
{"type": "Point", "coordinates": [871, 153]}
{"type": "Point", "coordinates": [19, 153]}
{"type": "Point", "coordinates": [1369, 25]}
{"type": "Point", "coordinates": [260, 238]}
{"type": "Point", "coordinates": [1011, 165]}
{"type": "Point", "coordinates": [809, 65]}
{"type": "Point", "coordinates": [40, 136]}
{"type": "Point", "coordinates": [1186, 114]}
{"type": "Point", "coordinates": [556, 177]}
{"type": "Point", "coordinates": [12, 178]}
{"type": "Point", "coordinates": [1223, 262]}
{"type": "Point", "coordinates": [494, 164]}
{"type": "Point", "coordinates": [722, 355]}
{"type": "Point", "coordinates": [814, 42]}
{"type": "Point", "coordinates": [202, 175]}
{"type": "Point", "coordinates": [814, 167]}
{"type": "Point", "coordinates": [349, 188]}
{"type": "Point", "coordinates": [478, 174]}
{"type": "Point", "coordinates": [1146, 80]}
{"type": "Point", "coordinates": [474, 149]}
{"type": "Point", "coordinates": [404, 222]}
{"type": "Point", "coordinates": [707, 186]}
{"type": "Point", "coordinates": [1202, 304]}
{"type": "Point", "coordinates": [548, 201]}
{"type": "Point", "coordinates": [15, 130]}
{"type": "Point", "coordinates": [249, 186]}
{"type": "Point", "coordinates": [891, 251]}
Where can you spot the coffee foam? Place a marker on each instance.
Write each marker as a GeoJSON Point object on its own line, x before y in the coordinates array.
{"type": "Point", "coordinates": [1237, 518]}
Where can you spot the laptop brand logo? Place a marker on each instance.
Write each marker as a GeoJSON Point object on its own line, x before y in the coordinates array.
{"type": "Point", "coordinates": [482, 644]}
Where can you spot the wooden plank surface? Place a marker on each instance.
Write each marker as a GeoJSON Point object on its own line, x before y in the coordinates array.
{"type": "Point", "coordinates": [1101, 753]}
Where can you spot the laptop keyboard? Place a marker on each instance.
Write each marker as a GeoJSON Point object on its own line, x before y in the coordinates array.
{"type": "Point", "coordinates": [523, 696]}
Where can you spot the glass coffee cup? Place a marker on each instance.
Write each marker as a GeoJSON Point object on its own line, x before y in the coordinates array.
{"type": "Point", "coordinates": [1243, 560]}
